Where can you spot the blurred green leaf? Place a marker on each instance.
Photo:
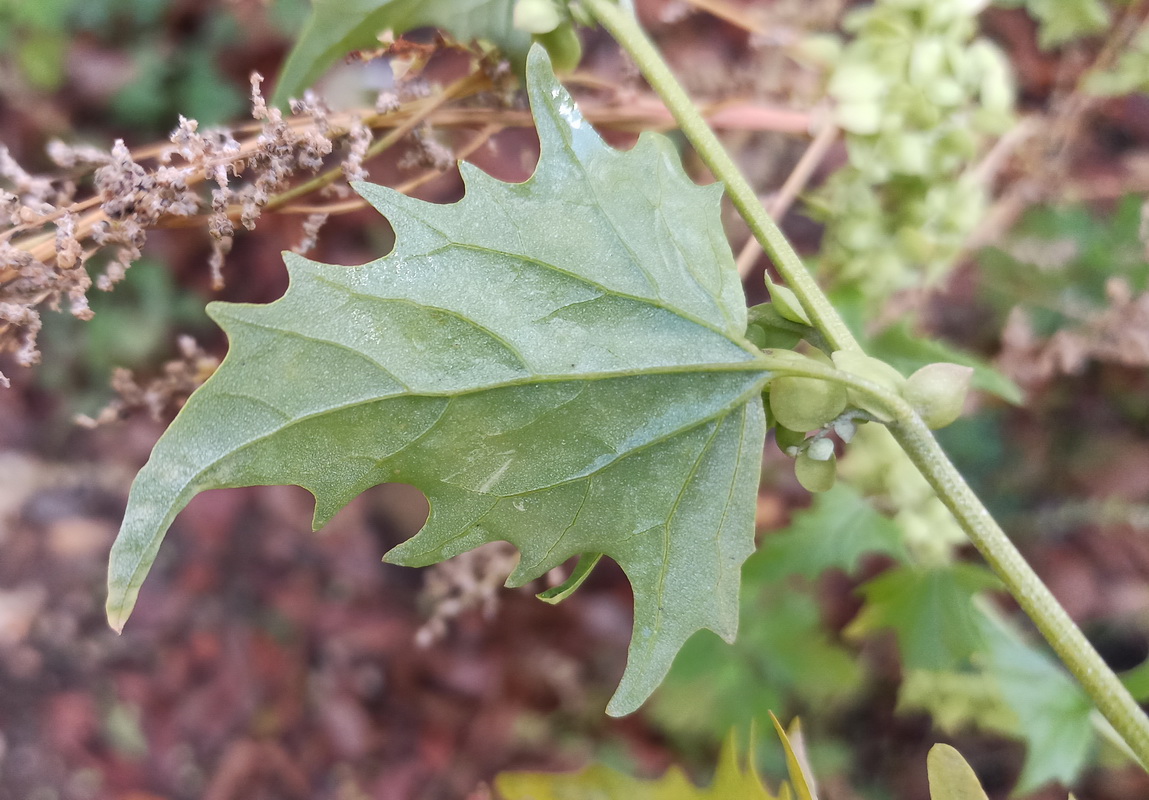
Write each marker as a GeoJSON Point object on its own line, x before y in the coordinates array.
{"type": "Point", "coordinates": [42, 15]}
{"type": "Point", "coordinates": [289, 16]}
{"type": "Point", "coordinates": [1054, 714]}
{"type": "Point", "coordinates": [838, 528]}
{"type": "Point", "coordinates": [1136, 681]}
{"type": "Point", "coordinates": [42, 58]}
{"type": "Point", "coordinates": [787, 652]}
{"type": "Point", "coordinates": [1130, 74]}
{"type": "Point", "coordinates": [186, 81]}
{"type": "Point", "coordinates": [1061, 21]}
{"type": "Point", "coordinates": [204, 93]}
{"type": "Point", "coordinates": [117, 18]}
{"type": "Point", "coordinates": [1015, 689]}
{"type": "Point", "coordinates": [906, 351]}
{"type": "Point", "coordinates": [337, 27]}
{"type": "Point", "coordinates": [957, 700]}
{"type": "Point", "coordinates": [930, 610]}
{"type": "Point", "coordinates": [1057, 262]}
{"type": "Point", "coordinates": [133, 327]}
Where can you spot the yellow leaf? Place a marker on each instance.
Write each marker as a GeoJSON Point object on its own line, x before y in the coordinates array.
{"type": "Point", "coordinates": [796, 762]}
{"type": "Point", "coordinates": [951, 778]}
{"type": "Point", "coordinates": [732, 779]}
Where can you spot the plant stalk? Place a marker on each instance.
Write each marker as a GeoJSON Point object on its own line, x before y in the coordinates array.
{"type": "Point", "coordinates": [1079, 656]}
{"type": "Point", "coordinates": [1063, 635]}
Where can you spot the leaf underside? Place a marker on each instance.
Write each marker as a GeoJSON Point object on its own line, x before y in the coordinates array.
{"type": "Point", "coordinates": [559, 364]}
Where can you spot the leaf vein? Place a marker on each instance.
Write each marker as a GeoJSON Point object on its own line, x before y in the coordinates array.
{"type": "Point", "coordinates": [506, 345]}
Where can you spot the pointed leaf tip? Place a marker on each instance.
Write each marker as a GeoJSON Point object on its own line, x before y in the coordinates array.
{"type": "Point", "coordinates": [950, 776]}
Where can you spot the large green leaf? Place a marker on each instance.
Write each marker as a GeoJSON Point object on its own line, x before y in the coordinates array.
{"type": "Point", "coordinates": [838, 528]}
{"type": "Point", "coordinates": [557, 363]}
{"type": "Point", "coordinates": [336, 27]}
{"type": "Point", "coordinates": [931, 610]}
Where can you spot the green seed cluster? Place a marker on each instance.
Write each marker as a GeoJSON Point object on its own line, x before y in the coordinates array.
{"type": "Point", "coordinates": [916, 95]}
{"type": "Point", "coordinates": [801, 404]}
{"type": "Point", "coordinates": [876, 466]}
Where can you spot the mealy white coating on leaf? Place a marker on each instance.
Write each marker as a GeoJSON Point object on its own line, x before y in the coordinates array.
{"type": "Point", "coordinates": [557, 363]}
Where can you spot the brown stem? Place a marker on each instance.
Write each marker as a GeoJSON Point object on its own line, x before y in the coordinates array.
{"type": "Point", "coordinates": [791, 188]}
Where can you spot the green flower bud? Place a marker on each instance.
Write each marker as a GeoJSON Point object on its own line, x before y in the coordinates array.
{"type": "Point", "coordinates": [874, 370]}
{"type": "Point", "coordinates": [803, 404]}
{"type": "Point", "coordinates": [923, 114]}
{"type": "Point", "coordinates": [916, 243]}
{"type": "Point", "coordinates": [786, 303]}
{"type": "Point", "coordinates": [937, 392]}
{"type": "Point", "coordinates": [855, 82]}
{"type": "Point", "coordinates": [819, 50]}
{"type": "Point", "coordinates": [909, 153]}
{"type": "Point", "coordinates": [961, 142]}
{"type": "Point", "coordinates": [946, 92]}
{"type": "Point", "coordinates": [987, 120]}
{"type": "Point", "coordinates": [860, 116]}
{"type": "Point", "coordinates": [815, 476]}
{"type": "Point", "coordinates": [996, 86]}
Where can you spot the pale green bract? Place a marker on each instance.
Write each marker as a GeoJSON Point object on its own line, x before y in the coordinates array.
{"type": "Point", "coordinates": [558, 363]}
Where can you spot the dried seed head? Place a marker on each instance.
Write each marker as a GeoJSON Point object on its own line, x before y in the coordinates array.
{"type": "Point", "coordinates": [70, 156]}
{"type": "Point", "coordinates": [31, 189]}
{"type": "Point", "coordinates": [359, 140]}
{"type": "Point", "coordinates": [68, 249]}
{"type": "Point", "coordinates": [311, 227]}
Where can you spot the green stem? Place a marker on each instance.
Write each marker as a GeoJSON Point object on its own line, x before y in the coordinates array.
{"type": "Point", "coordinates": [1107, 691]}
{"type": "Point", "coordinates": [629, 34]}
{"type": "Point", "coordinates": [1103, 686]}
{"type": "Point", "coordinates": [1099, 681]}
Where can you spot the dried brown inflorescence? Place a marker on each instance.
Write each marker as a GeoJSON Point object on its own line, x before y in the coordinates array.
{"type": "Point", "coordinates": [223, 176]}
{"type": "Point", "coordinates": [1119, 334]}
{"type": "Point", "coordinates": [159, 396]}
{"type": "Point", "coordinates": [471, 580]}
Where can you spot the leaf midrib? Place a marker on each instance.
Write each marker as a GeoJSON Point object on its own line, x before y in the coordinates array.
{"type": "Point", "coordinates": [756, 363]}
{"type": "Point", "coordinates": [737, 401]}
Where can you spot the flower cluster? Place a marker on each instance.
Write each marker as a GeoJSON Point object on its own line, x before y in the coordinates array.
{"type": "Point", "coordinates": [224, 177]}
{"type": "Point", "coordinates": [916, 96]}
{"type": "Point", "coordinates": [178, 379]}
